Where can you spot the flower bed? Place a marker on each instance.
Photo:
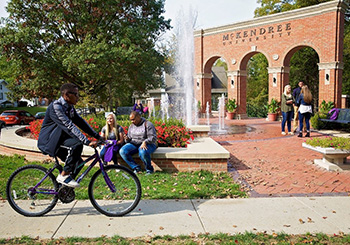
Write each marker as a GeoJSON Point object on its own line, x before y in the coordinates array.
{"type": "Point", "coordinates": [330, 141]}
{"type": "Point", "coordinates": [168, 135]}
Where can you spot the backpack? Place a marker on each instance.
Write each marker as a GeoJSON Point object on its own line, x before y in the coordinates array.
{"type": "Point", "coordinates": [333, 114]}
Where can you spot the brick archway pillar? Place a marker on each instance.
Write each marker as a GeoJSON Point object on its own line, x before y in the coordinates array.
{"type": "Point", "coordinates": [203, 89]}
{"type": "Point", "coordinates": [237, 89]}
{"type": "Point", "coordinates": [330, 77]}
{"type": "Point", "coordinates": [278, 78]}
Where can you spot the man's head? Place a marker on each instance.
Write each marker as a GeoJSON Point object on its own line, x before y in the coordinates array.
{"type": "Point", "coordinates": [70, 93]}
{"type": "Point", "coordinates": [135, 117]}
{"type": "Point", "coordinates": [301, 84]}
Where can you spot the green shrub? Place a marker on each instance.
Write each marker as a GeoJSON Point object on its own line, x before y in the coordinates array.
{"type": "Point", "coordinates": [315, 123]}
{"type": "Point", "coordinates": [325, 107]}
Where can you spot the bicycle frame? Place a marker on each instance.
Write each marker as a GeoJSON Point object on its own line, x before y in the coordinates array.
{"type": "Point", "coordinates": [96, 158]}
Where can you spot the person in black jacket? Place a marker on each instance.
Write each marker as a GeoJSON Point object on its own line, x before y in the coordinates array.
{"type": "Point", "coordinates": [296, 93]}
{"type": "Point", "coordinates": [60, 135]}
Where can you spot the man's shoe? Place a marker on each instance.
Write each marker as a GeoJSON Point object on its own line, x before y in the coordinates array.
{"type": "Point", "coordinates": [283, 133]}
{"type": "Point", "coordinates": [300, 134]}
{"type": "Point", "coordinates": [290, 133]}
{"type": "Point", "coordinates": [137, 170]}
{"type": "Point", "coordinates": [307, 134]}
{"type": "Point", "coordinates": [67, 180]}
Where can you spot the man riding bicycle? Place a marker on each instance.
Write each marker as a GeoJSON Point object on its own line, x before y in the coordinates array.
{"type": "Point", "coordinates": [60, 135]}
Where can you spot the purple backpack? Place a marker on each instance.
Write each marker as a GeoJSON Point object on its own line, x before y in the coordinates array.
{"type": "Point", "coordinates": [333, 113]}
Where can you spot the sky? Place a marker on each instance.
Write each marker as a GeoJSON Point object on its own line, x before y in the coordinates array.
{"type": "Point", "coordinates": [210, 13]}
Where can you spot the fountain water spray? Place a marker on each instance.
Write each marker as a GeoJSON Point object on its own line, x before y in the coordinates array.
{"type": "Point", "coordinates": [221, 109]}
{"type": "Point", "coordinates": [207, 112]}
{"type": "Point", "coordinates": [185, 62]}
{"type": "Point", "coordinates": [164, 105]}
{"type": "Point", "coordinates": [152, 109]}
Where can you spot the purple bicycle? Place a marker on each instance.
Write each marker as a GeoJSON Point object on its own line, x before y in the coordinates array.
{"type": "Point", "coordinates": [33, 191]}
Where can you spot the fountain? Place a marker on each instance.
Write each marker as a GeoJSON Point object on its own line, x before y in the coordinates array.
{"type": "Point", "coordinates": [164, 105]}
{"type": "Point", "coordinates": [207, 112]}
{"type": "Point", "coordinates": [152, 109]}
{"type": "Point", "coordinates": [221, 109]}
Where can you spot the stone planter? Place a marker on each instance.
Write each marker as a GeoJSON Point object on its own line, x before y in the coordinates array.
{"type": "Point", "coordinates": [332, 158]}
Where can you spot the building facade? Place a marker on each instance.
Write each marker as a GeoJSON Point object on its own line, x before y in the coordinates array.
{"type": "Point", "coordinates": [278, 37]}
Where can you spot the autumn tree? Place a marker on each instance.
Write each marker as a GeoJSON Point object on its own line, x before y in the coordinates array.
{"type": "Point", "coordinates": [107, 48]}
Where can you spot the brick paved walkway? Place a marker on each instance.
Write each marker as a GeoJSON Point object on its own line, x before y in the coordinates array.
{"type": "Point", "coordinates": [274, 165]}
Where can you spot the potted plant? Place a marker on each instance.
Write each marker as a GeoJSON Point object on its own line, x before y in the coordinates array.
{"type": "Point", "coordinates": [231, 107]}
{"type": "Point", "coordinates": [272, 109]}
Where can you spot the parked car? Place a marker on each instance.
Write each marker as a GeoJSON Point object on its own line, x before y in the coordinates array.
{"type": "Point", "coordinates": [40, 115]}
{"type": "Point", "coordinates": [11, 117]}
{"type": "Point", "coordinates": [2, 124]}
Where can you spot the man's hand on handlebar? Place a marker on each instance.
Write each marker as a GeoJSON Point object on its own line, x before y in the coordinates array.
{"type": "Point", "coordinates": [93, 144]}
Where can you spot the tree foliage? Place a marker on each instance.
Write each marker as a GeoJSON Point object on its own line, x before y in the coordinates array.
{"type": "Point", "coordinates": [257, 79]}
{"type": "Point", "coordinates": [105, 47]}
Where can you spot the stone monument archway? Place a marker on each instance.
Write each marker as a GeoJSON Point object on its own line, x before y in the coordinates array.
{"type": "Point", "coordinates": [278, 37]}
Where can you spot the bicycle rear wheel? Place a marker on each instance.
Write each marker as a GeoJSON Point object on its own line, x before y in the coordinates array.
{"type": "Point", "coordinates": [27, 200]}
{"type": "Point", "coordinates": [127, 192]}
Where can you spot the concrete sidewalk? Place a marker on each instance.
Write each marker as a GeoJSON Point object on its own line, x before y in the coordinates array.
{"type": "Point", "coordinates": [291, 215]}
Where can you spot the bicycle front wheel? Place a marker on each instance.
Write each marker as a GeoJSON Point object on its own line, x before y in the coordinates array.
{"type": "Point", "coordinates": [26, 196]}
{"type": "Point", "coordinates": [117, 193]}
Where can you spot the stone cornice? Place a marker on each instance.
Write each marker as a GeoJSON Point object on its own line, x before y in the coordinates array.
{"type": "Point", "coordinates": [237, 73]}
{"type": "Point", "coordinates": [204, 75]}
{"type": "Point", "coordinates": [331, 65]}
{"type": "Point", "coordinates": [276, 18]}
{"type": "Point", "coordinates": [280, 69]}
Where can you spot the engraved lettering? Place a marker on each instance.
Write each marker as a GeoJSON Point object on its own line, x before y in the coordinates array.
{"type": "Point", "coordinates": [288, 27]}
{"type": "Point", "coordinates": [255, 34]}
{"type": "Point", "coordinates": [262, 31]}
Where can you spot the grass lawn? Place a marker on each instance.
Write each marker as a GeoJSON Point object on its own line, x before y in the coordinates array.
{"type": "Point", "coordinates": [32, 110]}
{"type": "Point", "coordinates": [160, 185]}
{"type": "Point", "coordinates": [246, 238]}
